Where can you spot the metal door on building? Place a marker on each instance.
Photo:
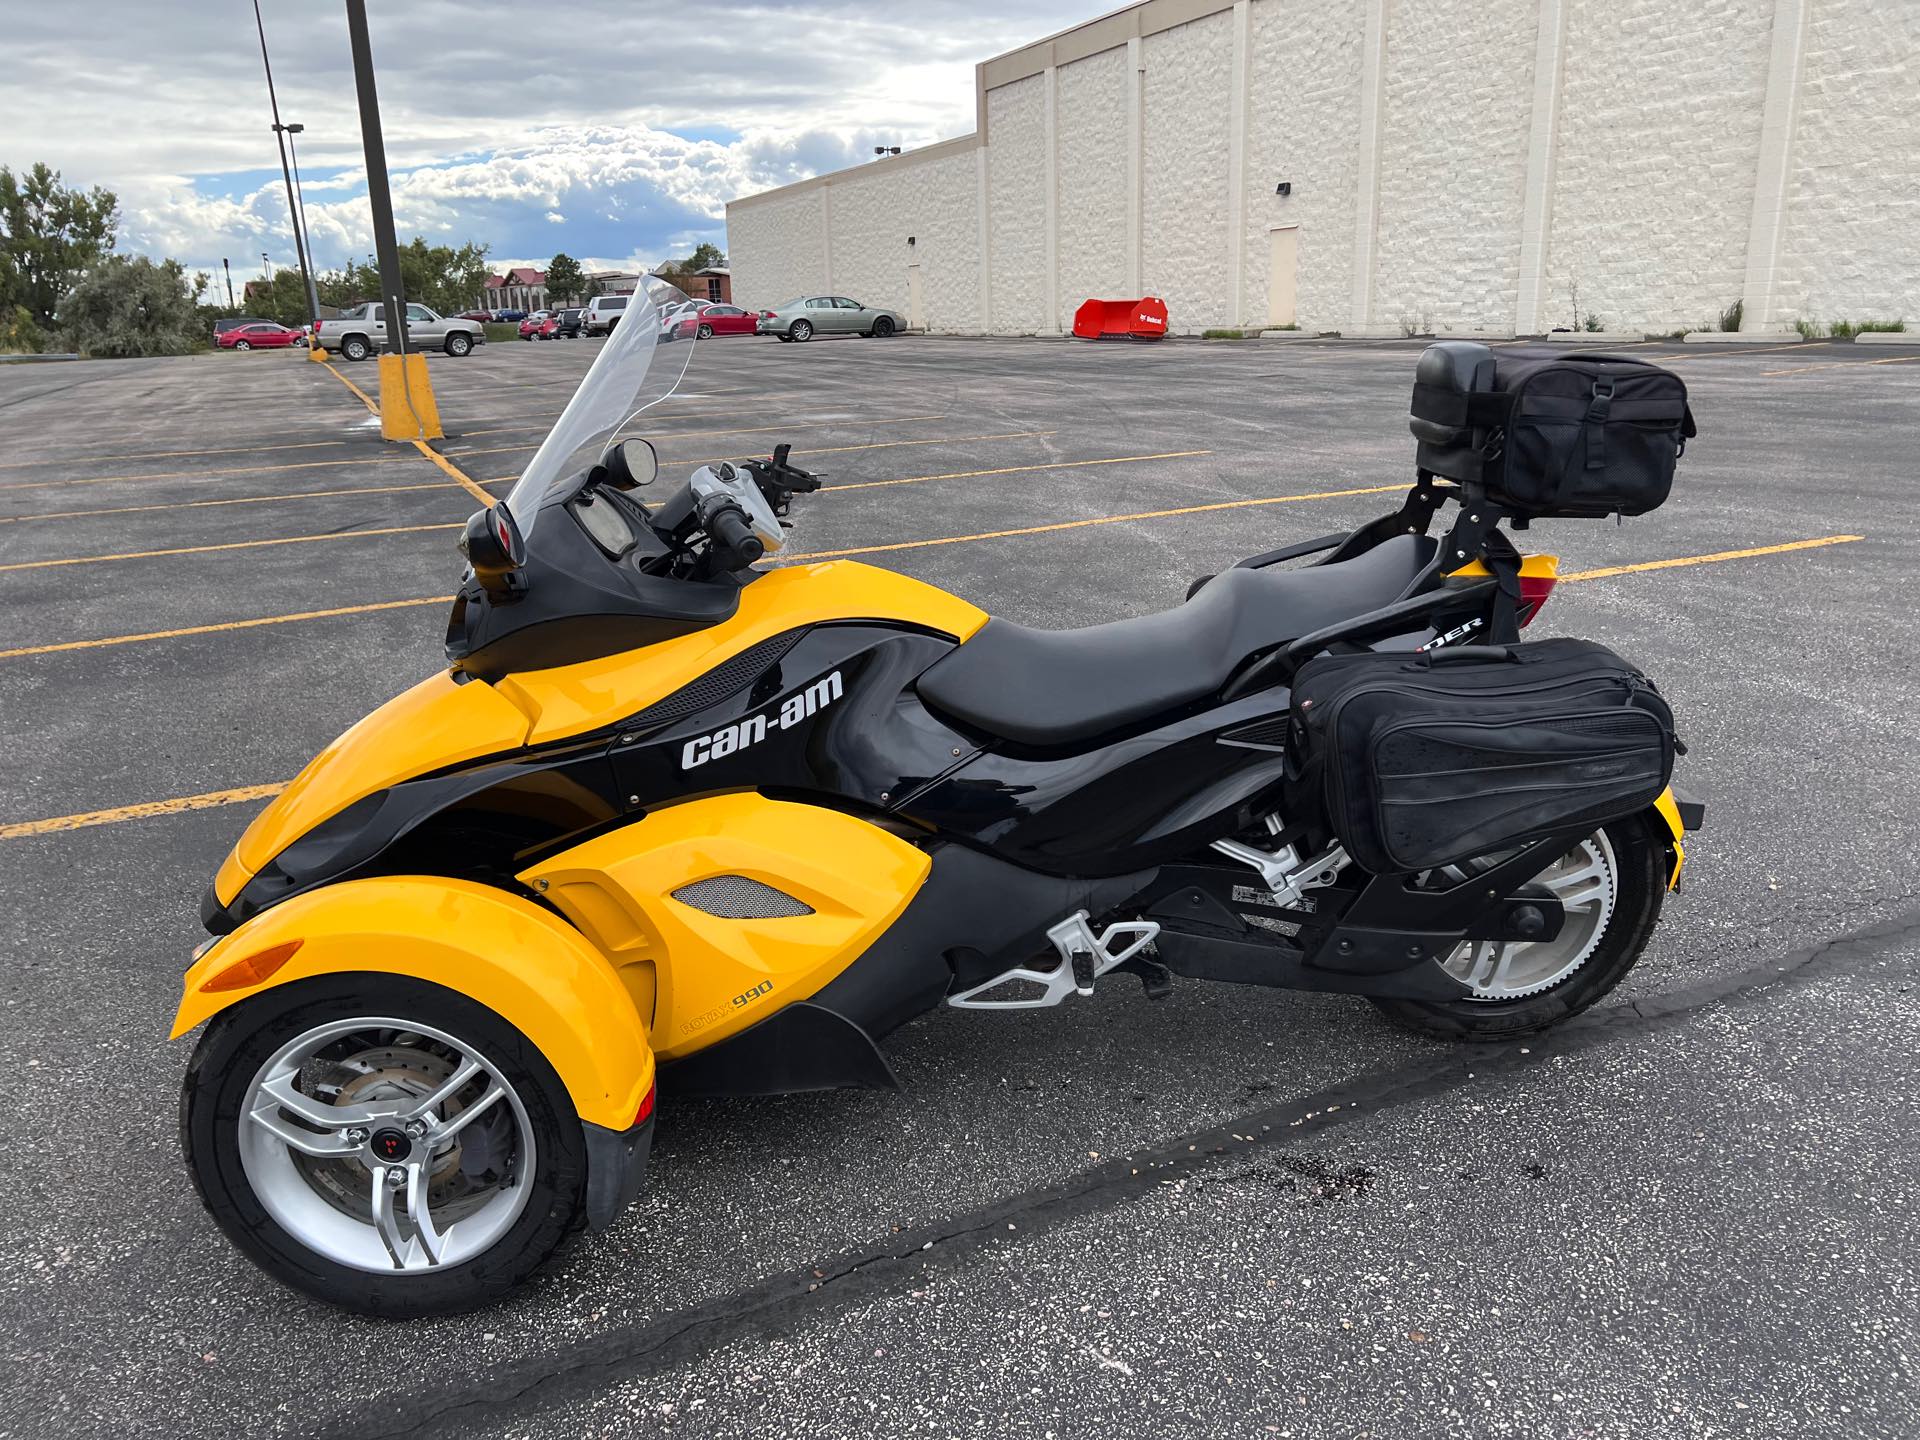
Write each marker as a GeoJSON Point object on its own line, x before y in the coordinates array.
{"type": "Point", "coordinates": [1283, 256]}
{"type": "Point", "coordinates": [916, 317]}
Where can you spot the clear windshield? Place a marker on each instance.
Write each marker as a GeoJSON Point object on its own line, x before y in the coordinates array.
{"type": "Point", "coordinates": [626, 378]}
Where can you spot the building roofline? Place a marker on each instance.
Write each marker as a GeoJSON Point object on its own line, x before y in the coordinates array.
{"type": "Point", "coordinates": [1091, 37]}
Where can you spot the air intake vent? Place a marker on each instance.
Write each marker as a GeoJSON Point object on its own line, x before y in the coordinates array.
{"type": "Point", "coordinates": [735, 897]}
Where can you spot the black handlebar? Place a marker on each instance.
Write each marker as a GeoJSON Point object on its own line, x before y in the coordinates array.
{"type": "Point", "coordinates": [735, 546]}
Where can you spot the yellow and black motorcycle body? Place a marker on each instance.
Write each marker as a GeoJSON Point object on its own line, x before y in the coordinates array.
{"type": "Point", "coordinates": [667, 813]}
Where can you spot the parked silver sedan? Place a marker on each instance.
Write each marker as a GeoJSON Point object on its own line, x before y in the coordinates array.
{"type": "Point", "coordinates": [813, 315]}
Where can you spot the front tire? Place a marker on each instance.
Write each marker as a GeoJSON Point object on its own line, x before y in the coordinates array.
{"type": "Point", "coordinates": [883, 327]}
{"type": "Point", "coordinates": [311, 1195]}
{"type": "Point", "coordinates": [800, 331]}
{"type": "Point", "coordinates": [1520, 988]}
{"type": "Point", "coordinates": [459, 345]}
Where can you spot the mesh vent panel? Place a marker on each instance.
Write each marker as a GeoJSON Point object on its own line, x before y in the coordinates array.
{"type": "Point", "coordinates": [735, 897]}
{"type": "Point", "coordinates": [716, 685]}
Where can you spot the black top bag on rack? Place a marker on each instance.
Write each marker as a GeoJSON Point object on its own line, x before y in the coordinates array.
{"type": "Point", "coordinates": [1550, 434]}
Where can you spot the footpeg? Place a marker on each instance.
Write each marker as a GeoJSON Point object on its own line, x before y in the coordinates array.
{"type": "Point", "coordinates": [1084, 958]}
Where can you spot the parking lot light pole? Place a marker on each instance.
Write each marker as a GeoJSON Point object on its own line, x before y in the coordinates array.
{"type": "Point", "coordinates": [293, 213]}
{"type": "Point", "coordinates": [407, 410]}
{"type": "Point", "coordinates": [300, 217]}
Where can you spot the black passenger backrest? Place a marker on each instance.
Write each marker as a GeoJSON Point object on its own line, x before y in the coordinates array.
{"type": "Point", "coordinates": [1448, 372]}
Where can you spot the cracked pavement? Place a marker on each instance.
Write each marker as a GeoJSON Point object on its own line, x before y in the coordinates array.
{"type": "Point", "coordinates": [1688, 1214]}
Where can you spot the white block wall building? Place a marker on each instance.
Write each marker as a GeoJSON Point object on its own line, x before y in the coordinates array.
{"type": "Point", "coordinates": [1461, 166]}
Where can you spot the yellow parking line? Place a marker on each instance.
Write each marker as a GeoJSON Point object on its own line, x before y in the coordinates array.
{"type": "Point", "coordinates": [1025, 469]}
{"type": "Point", "coordinates": [1098, 520]}
{"type": "Point", "coordinates": [1843, 364]}
{"type": "Point", "coordinates": [211, 798]}
{"type": "Point", "coordinates": [365, 399]}
{"type": "Point", "coordinates": [196, 476]}
{"type": "Point", "coordinates": [221, 626]}
{"type": "Point", "coordinates": [236, 500]}
{"type": "Point", "coordinates": [229, 545]}
{"type": "Point", "coordinates": [1714, 558]}
{"type": "Point", "coordinates": [497, 480]}
{"type": "Point", "coordinates": [460, 476]}
{"type": "Point", "coordinates": [855, 422]}
{"type": "Point", "coordinates": [166, 454]}
{"type": "Point", "coordinates": [140, 812]}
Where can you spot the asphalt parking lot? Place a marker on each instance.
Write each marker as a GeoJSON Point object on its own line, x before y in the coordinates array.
{"type": "Point", "coordinates": [1232, 1212]}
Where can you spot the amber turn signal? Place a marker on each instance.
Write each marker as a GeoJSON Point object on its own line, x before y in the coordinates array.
{"type": "Point", "coordinates": [254, 969]}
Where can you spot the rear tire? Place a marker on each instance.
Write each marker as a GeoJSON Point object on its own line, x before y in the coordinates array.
{"type": "Point", "coordinates": [221, 1089]}
{"type": "Point", "coordinates": [243, 344]}
{"type": "Point", "coordinates": [705, 332]}
{"type": "Point", "coordinates": [355, 348]}
{"type": "Point", "coordinates": [800, 331]}
{"type": "Point", "coordinates": [1642, 863]}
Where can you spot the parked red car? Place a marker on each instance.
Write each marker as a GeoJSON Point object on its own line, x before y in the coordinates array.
{"type": "Point", "coordinates": [709, 319]}
{"type": "Point", "coordinates": [541, 325]}
{"type": "Point", "coordinates": [483, 316]}
{"type": "Point", "coordinates": [261, 335]}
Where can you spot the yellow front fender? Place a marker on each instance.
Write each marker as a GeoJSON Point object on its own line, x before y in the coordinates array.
{"type": "Point", "coordinates": [520, 961]}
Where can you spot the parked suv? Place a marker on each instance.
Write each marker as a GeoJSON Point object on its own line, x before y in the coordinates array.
{"type": "Point", "coordinates": [603, 313]}
{"type": "Point", "coordinates": [362, 331]}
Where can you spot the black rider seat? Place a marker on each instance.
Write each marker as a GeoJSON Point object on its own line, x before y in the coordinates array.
{"type": "Point", "coordinates": [1053, 688]}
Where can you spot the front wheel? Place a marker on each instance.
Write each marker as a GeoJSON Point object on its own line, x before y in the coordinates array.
{"type": "Point", "coordinates": [883, 327]}
{"type": "Point", "coordinates": [458, 345]}
{"type": "Point", "coordinates": [1611, 886]}
{"type": "Point", "coordinates": [383, 1144]}
{"type": "Point", "coordinates": [800, 331]}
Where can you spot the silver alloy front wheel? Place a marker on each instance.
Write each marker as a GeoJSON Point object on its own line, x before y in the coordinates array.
{"type": "Point", "coordinates": [1586, 882]}
{"type": "Point", "coordinates": [383, 1144]}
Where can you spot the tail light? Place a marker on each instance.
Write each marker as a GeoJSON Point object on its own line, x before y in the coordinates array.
{"type": "Point", "coordinates": [646, 1107]}
{"type": "Point", "coordinates": [766, 315]}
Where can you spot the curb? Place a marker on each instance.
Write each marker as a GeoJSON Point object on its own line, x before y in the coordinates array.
{"type": "Point", "coordinates": [1887, 337]}
{"type": "Point", "coordinates": [1740, 337]}
{"type": "Point", "coordinates": [1593, 337]}
{"type": "Point", "coordinates": [33, 359]}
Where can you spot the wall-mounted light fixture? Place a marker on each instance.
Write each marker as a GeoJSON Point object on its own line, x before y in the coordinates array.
{"type": "Point", "coordinates": [910, 242]}
{"type": "Point", "coordinates": [1285, 187]}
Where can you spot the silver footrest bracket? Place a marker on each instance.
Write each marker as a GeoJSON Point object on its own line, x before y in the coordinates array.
{"type": "Point", "coordinates": [1084, 957]}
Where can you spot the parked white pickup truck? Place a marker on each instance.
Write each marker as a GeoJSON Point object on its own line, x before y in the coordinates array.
{"type": "Point", "coordinates": [362, 331]}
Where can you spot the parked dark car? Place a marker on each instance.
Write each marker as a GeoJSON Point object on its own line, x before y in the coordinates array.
{"type": "Point", "coordinates": [572, 322]}
{"type": "Point", "coordinates": [508, 317]}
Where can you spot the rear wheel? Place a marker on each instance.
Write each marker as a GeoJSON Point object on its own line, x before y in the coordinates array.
{"type": "Point", "coordinates": [383, 1144]}
{"type": "Point", "coordinates": [355, 348]}
{"type": "Point", "coordinates": [243, 344]}
{"type": "Point", "coordinates": [1611, 886]}
{"type": "Point", "coordinates": [800, 331]}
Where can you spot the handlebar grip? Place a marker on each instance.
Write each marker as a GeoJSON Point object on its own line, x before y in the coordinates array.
{"type": "Point", "coordinates": [730, 533]}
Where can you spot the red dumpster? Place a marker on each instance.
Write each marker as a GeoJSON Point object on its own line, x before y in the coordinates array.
{"type": "Point", "coordinates": [1144, 319]}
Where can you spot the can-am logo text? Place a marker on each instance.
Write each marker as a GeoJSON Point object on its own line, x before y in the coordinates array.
{"type": "Point", "coordinates": [752, 730]}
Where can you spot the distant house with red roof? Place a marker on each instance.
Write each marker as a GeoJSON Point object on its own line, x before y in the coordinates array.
{"type": "Point", "coordinates": [521, 288]}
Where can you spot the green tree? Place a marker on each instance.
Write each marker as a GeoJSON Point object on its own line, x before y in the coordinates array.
{"type": "Point", "coordinates": [18, 334]}
{"type": "Point", "coordinates": [130, 305]}
{"type": "Point", "coordinates": [439, 276]}
{"type": "Point", "coordinates": [565, 279]}
{"type": "Point", "coordinates": [705, 255]}
{"type": "Point", "coordinates": [49, 234]}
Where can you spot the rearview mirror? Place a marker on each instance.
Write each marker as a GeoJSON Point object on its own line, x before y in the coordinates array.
{"type": "Point", "coordinates": [631, 463]}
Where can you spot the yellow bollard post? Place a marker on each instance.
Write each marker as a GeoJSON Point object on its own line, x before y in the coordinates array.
{"type": "Point", "coordinates": [407, 409]}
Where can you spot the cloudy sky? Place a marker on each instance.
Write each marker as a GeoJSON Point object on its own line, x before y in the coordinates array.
{"type": "Point", "coordinates": [615, 132]}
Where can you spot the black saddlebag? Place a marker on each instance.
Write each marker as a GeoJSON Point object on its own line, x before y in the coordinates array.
{"type": "Point", "coordinates": [1549, 433]}
{"type": "Point", "coordinates": [1423, 760]}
